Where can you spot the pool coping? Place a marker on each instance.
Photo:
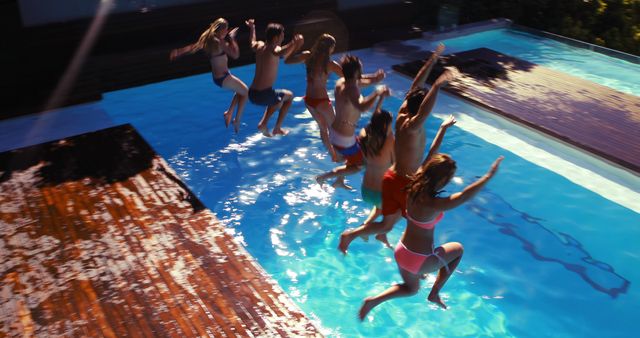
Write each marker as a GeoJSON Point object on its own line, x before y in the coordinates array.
{"type": "Point", "coordinates": [499, 23]}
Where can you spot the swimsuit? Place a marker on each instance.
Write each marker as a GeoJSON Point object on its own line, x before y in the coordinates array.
{"type": "Point", "coordinates": [315, 102]}
{"type": "Point", "coordinates": [265, 97]}
{"type": "Point", "coordinates": [394, 194]}
{"type": "Point", "coordinates": [412, 261]}
{"type": "Point", "coordinates": [371, 196]}
{"type": "Point", "coordinates": [219, 80]}
{"type": "Point", "coordinates": [348, 147]}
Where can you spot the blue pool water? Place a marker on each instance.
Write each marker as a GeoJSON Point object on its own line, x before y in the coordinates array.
{"type": "Point", "coordinates": [543, 256]}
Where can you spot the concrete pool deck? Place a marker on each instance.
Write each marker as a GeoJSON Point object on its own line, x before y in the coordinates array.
{"type": "Point", "coordinates": [101, 238]}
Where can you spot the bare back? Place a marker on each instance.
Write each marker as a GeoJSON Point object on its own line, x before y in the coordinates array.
{"type": "Point", "coordinates": [347, 115]}
{"type": "Point", "coordinates": [267, 63]}
{"type": "Point", "coordinates": [409, 146]}
{"type": "Point", "coordinates": [378, 165]}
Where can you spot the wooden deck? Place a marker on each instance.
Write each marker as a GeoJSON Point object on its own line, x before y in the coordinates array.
{"type": "Point", "coordinates": [99, 237]}
{"type": "Point", "coordinates": [588, 115]}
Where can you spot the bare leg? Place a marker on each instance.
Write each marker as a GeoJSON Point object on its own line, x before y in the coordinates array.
{"type": "Point", "coordinates": [240, 98]}
{"type": "Point", "coordinates": [241, 103]}
{"type": "Point", "coordinates": [323, 111]}
{"type": "Point", "coordinates": [262, 125]}
{"type": "Point", "coordinates": [339, 173]}
{"type": "Point", "coordinates": [451, 253]}
{"type": "Point", "coordinates": [287, 100]}
{"type": "Point", "coordinates": [410, 287]}
{"type": "Point", "coordinates": [373, 214]}
{"type": "Point", "coordinates": [229, 112]}
{"type": "Point", "coordinates": [387, 223]}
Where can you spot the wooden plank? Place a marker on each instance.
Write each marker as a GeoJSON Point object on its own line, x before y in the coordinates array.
{"type": "Point", "coordinates": [130, 250]}
{"type": "Point", "coordinates": [590, 116]}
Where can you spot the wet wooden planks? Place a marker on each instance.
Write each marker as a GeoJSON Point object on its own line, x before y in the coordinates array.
{"type": "Point", "coordinates": [99, 237]}
{"type": "Point", "coordinates": [588, 115]}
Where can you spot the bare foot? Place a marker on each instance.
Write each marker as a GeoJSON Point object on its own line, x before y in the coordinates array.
{"type": "Point", "coordinates": [236, 125]}
{"type": "Point", "coordinates": [264, 130]}
{"type": "Point", "coordinates": [383, 238]}
{"type": "Point", "coordinates": [320, 179]}
{"type": "Point", "coordinates": [227, 117]}
{"type": "Point", "coordinates": [278, 131]}
{"type": "Point", "coordinates": [365, 308]}
{"type": "Point", "coordinates": [435, 298]}
{"type": "Point", "coordinates": [339, 183]}
{"type": "Point", "coordinates": [345, 239]}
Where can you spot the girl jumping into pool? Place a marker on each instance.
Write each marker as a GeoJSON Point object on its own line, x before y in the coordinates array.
{"type": "Point", "coordinates": [219, 43]}
{"type": "Point", "coordinates": [415, 253]}
{"type": "Point", "coordinates": [377, 142]}
{"type": "Point", "coordinates": [319, 64]}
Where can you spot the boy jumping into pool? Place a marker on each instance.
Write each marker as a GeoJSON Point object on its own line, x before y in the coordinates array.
{"type": "Point", "coordinates": [268, 55]}
{"type": "Point", "coordinates": [409, 149]}
{"type": "Point", "coordinates": [349, 106]}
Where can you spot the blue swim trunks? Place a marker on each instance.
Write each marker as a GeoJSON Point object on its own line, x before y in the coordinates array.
{"type": "Point", "coordinates": [265, 97]}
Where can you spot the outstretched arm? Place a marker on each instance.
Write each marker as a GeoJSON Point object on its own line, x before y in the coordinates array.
{"type": "Point", "coordinates": [252, 34]}
{"type": "Point", "coordinates": [178, 52]}
{"type": "Point", "coordinates": [336, 68]}
{"type": "Point", "coordinates": [437, 141]}
{"type": "Point", "coordinates": [469, 191]}
{"type": "Point", "coordinates": [298, 58]}
{"type": "Point", "coordinates": [369, 79]}
{"type": "Point", "coordinates": [423, 74]}
{"type": "Point", "coordinates": [379, 104]}
{"type": "Point", "coordinates": [430, 99]}
{"type": "Point", "coordinates": [364, 104]}
{"type": "Point", "coordinates": [289, 49]}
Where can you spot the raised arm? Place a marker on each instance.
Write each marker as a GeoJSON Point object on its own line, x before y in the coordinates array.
{"type": "Point", "coordinates": [287, 51]}
{"type": "Point", "coordinates": [369, 79]}
{"type": "Point", "coordinates": [299, 57]}
{"type": "Point", "coordinates": [252, 34]}
{"type": "Point", "coordinates": [469, 191]}
{"type": "Point", "coordinates": [430, 99]}
{"type": "Point", "coordinates": [437, 141]}
{"type": "Point", "coordinates": [423, 74]}
{"type": "Point", "coordinates": [230, 46]}
{"type": "Point", "coordinates": [336, 68]}
{"type": "Point", "coordinates": [364, 104]}
{"type": "Point", "coordinates": [379, 103]}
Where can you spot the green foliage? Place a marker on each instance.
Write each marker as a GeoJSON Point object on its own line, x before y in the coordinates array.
{"type": "Point", "coordinates": [610, 23]}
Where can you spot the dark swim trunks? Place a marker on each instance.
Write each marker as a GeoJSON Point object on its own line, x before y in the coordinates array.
{"type": "Point", "coordinates": [219, 80]}
{"type": "Point", "coordinates": [265, 97]}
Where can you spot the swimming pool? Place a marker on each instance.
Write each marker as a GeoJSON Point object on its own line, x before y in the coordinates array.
{"type": "Point", "coordinates": [543, 255]}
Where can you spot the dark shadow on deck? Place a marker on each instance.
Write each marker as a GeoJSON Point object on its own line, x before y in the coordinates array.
{"type": "Point", "coordinates": [109, 155]}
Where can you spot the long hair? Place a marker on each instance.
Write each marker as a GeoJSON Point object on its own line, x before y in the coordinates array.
{"type": "Point", "coordinates": [375, 133]}
{"type": "Point", "coordinates": [207, 41]}
{"type": "Point", "coordinates": [320, 54]}
{"type": "Point", "coordinates": [430, 175]}
{"type": "Point", "coordinates": [350, 65]}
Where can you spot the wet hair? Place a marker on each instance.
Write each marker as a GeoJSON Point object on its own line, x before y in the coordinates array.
{"type": "Point", "coordinates": [414, 99]}
{"type": "Point", "coordinates": [375, 133]}
{"type": "Point", "coordinates": [320, 54]}
{"type": "Point", "coordinates": [273, 30]}
{"type": "Point", "coordinates": [206, 41]}
{"type": "Point", "coordinates": [433, 175]}
{"type": "Point", "coordinates": [350, 65]}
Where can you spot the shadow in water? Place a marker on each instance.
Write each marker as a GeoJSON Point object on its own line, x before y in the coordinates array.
{"type": "Point", "coordinates": [481, 64]}
{"type": "Point", "coordinates": [188, 196]}
{"type": "Point", "coordinates": [559, 248]}
{"type": "Point", "coordinates": [109, 155]}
